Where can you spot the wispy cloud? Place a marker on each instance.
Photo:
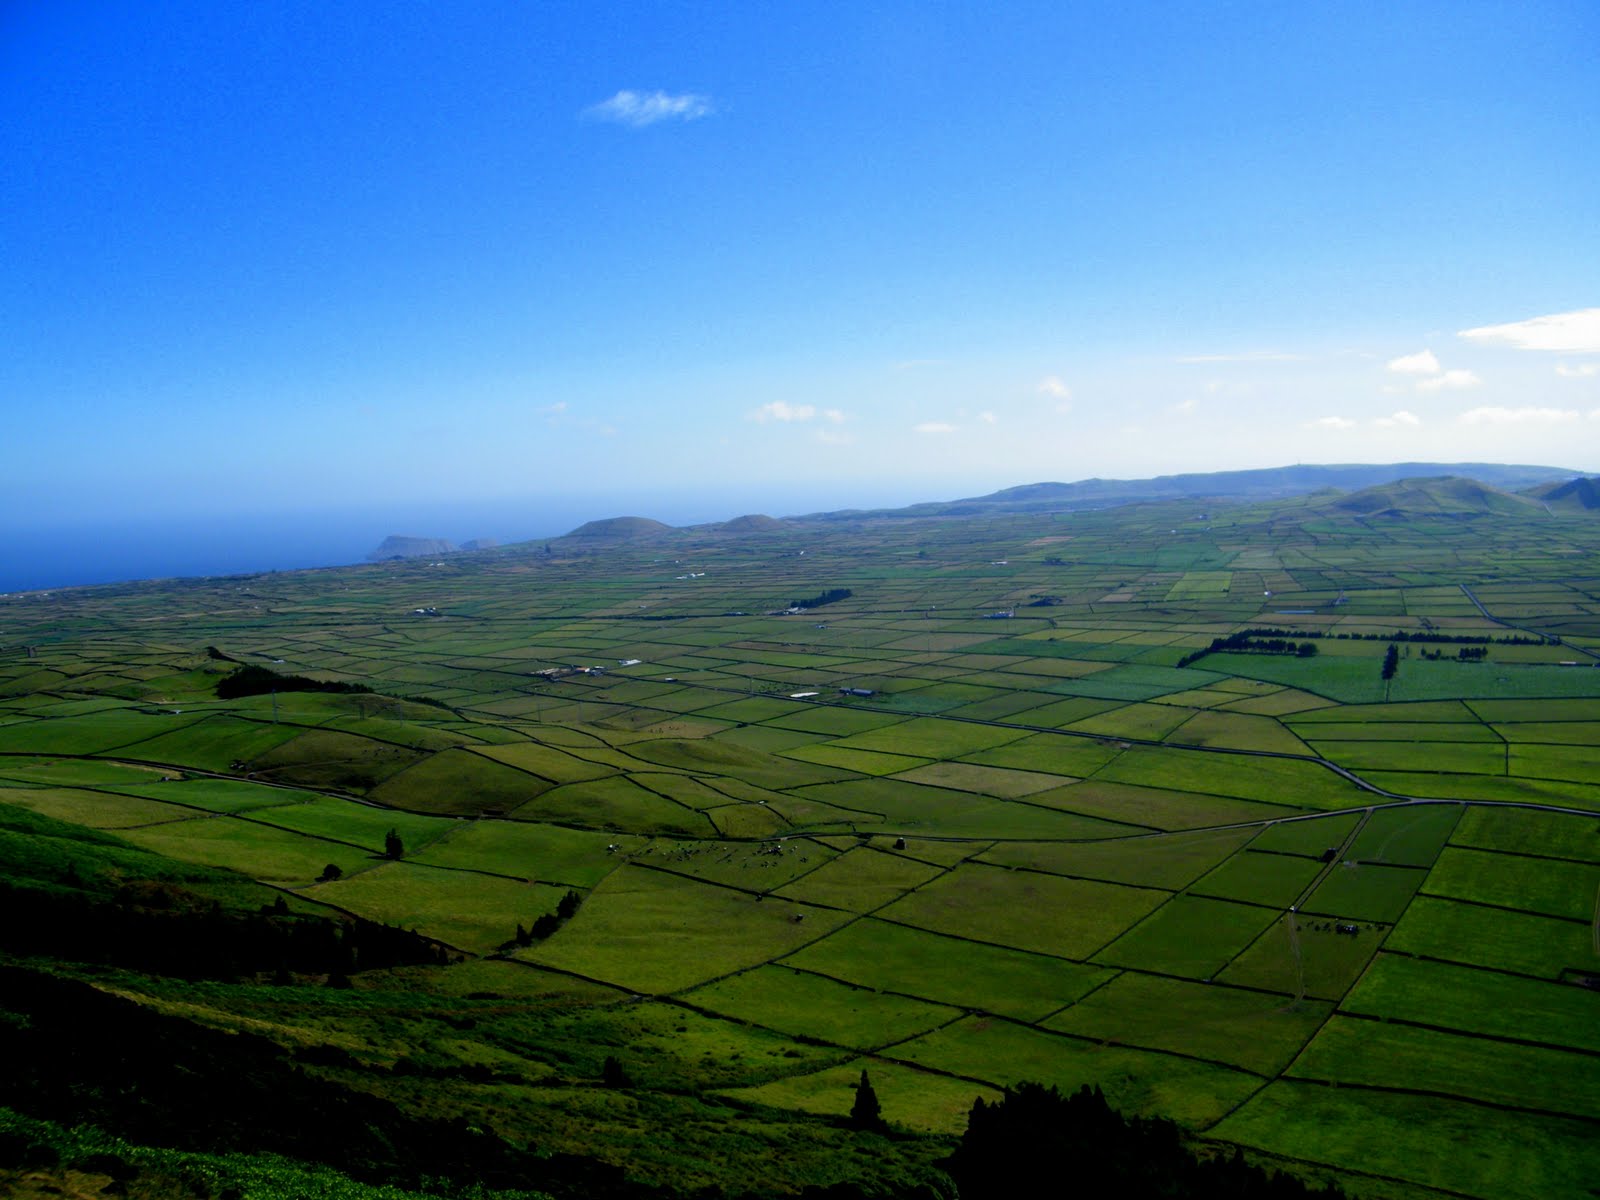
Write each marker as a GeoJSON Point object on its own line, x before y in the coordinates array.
{"type": "Point", "coordinates": [988, 418]}
{"type": "Point", "coordinates": [780, 410]}
{"type": "Point", "coordinates": [1451, 380]}
{"type": "Point", "coordinates": [935, 427]}
{"type": "Point", "coordinates": [1184, 408]}
{"type": "Point", "coordinates": [1052, 385]}
{"type": "Point", "coordinates": [1527, 415]}
{"type": "Point", "coordinates": [1581, 371]}
{"type": "Point", "coordinates": [1248, 356]}
{"type": "Point", "coordinates": [1398, 420]}
{"type": "Point", "coordinates": [638, 109]}
{"type": "Point", "coordinates": [1332, 423]}
{"type": "Point", "coordinates": [1421, 363]}
{"type": "Point", "coordinates": [1570, 333]}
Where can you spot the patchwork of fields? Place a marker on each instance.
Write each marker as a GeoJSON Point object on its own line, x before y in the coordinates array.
{"type": "Point", "coordinates": [971, 825]}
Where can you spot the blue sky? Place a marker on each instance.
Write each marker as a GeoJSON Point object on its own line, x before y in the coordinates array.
{"type": "Point", "coordinates": [693, 259]}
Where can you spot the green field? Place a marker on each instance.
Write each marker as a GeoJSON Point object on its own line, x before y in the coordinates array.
{"type": "Point", "coordinates": [1344, 924]}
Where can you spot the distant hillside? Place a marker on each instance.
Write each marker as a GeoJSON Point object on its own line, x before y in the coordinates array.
{"type": "Point", "coordinates": [618, 528]}
{"type": "Point", "coordinates": [1574, 496]}
{"type": "Point", "coordinates": [1448, 495]}
{"type": "Point", "coordinates": [397, 546]}
{"type": "Point", "coordinates": [1265, 484]}
{"type": "Point", "coordinates": [751, 523]}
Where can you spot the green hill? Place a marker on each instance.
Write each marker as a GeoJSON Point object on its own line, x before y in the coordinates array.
{"type": "Point", "coordinates": [1574, 496]}
{"type": "Point", "coordinates": [619, 529]}
{"type": "Point", "coordinates": [1444, 495]}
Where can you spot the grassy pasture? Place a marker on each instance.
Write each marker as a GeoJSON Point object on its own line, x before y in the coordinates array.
{"type": "Point", "coordinates": [1189, 936]}
{"type": "Point", "coordinates": [951, 970]}
{"type": "Point", "coordinates": [1168, 861]}
{"type": "Point", "coordinates": [1478, 935]}
{"type": "Point", "coordinates": [1521, 831]}
{"type": "Point", "coordinates": [1237, 731]}
{"type": "Point", "coordinates": [1024, 910]}
{"type": "Point", "coordinates": [261, 852]}
{"type": "Point", "coordinates": [94, 809]}
{"type": "Point", "coordinates": [1250, 1030]}
{"type": "Point", "coordinates": [547, 762]}
{"type": "Point", "coordinates": [1362, 892]}
{"type": "Point", "coordinates": [859, 880]}
{"type": "Point", "coordinates": [1375, 1053]}
{"type": "Point", "coordinates": [1001, 1053]}
{"type": "Point", "coordinates": [998, 782]}
{"type": "Point", "coordinates": [913, 1099]}
{"type": "Point", "coordinates": [1553, 888]}
{"type": "Point", "coordinates": [569, 858]}
{"type": "Point", "coordinates": [1310, 837]}
{"type": "Point", "coordinates": [1411, 835]}
{"type": "Point", "coordinates": [1303, 956]}
{"type": "Point", "coordinates": [1293, 783]}
{"type": "Point", "coordinates": [800, 1003]}
{"type": "Point", "coordinates": [1428, 1141]}
{"type": "Point", "coordinates": [462, 908]}
{"type": "Point", "coordinates": [617, 804]}
{"type": "Point", "coordinates": [459, 783]}
{"type": "Point", "coordinates": [929, 737]}
{"type": "Point", "coordinates": [1475, 1000]}
{"type": "Point", "coordinates": [1275, 880]}
{"type": "Point", "coordinates": [655, 932]}
{"type": "Point", "coordinates": [92, 733]}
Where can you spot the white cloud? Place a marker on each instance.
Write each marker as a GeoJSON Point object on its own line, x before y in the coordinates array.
{"type": "Point", "coordinates": [1570, 332]}
{"type": "Point", "coordinates": [1581, 371]}
{"type": "Point", "coordinates": [1185, 407]}
{"type": "Point", "coordinates": [1051, 385]}
{"type": "Point", "coordinates": [988, 418]}
{"type": "Point", "coordinates": [1527, 415]}
{"type": "Point", "coordinates": [1457, 377]}
{"type": "Point", "coordinates": [639, 109]}
{"type": "Point", "coordinates": [779, 410]}
{"type": "Point", "coordinates": [1332, 423]}
{"type": "Point", "coordinates": [833, 414]}
{"type": "Point", "coordinates": [832, 437]}
{"type": "Point", "coordinates": [1398, 419]}
{"type": "Point", "coordinates": [560, 406]}
{"type": "Point", "coordinates": [935, 427]}
{"type": "Point", "coordinates": [1423, 363]}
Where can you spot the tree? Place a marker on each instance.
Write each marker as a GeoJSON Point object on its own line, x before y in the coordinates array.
{"type": "Point", "coordinates": [568, 905]}
{"type": "Point", "coordinates": [612, 1075]}
{"type": "Point", "coordinates": [866, 1112]}
{"type": "Point", "coordinates": [329, 873]}
{"type": "Point", "coordinates": [393, 847]}
{"type": "Point", "coordinates": [1391, 661]}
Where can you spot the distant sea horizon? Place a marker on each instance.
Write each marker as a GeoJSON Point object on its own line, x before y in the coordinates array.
{"type": "Point", "coordinates": [68, 553]}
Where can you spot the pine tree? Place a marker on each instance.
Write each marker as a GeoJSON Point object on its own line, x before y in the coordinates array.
{"type": "Point", "coordinates": [866, 1113]}
{"type": "Point", "coordinates": [393, 847]}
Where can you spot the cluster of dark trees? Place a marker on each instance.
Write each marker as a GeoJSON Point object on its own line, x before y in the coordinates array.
{"type": "Point", "coordinates": [1036, 1142]}
{"type": "Point", "coordinates": [821, 598]}
{"type": "Point", "coordinates": [165, 929]}
{"type": "Point", "coordinates": [1252, 641]}
{"type": "Point", "coordinates": [1465, 654]}
{"type": "Point", "coordinates": [258, 681]}
{"type": "Point", "coordinates": [1426, 636]}
{"type": "Point", "coordinates": [1391, 661]}
{"type": "Point", "coordinates": [543, 927]}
